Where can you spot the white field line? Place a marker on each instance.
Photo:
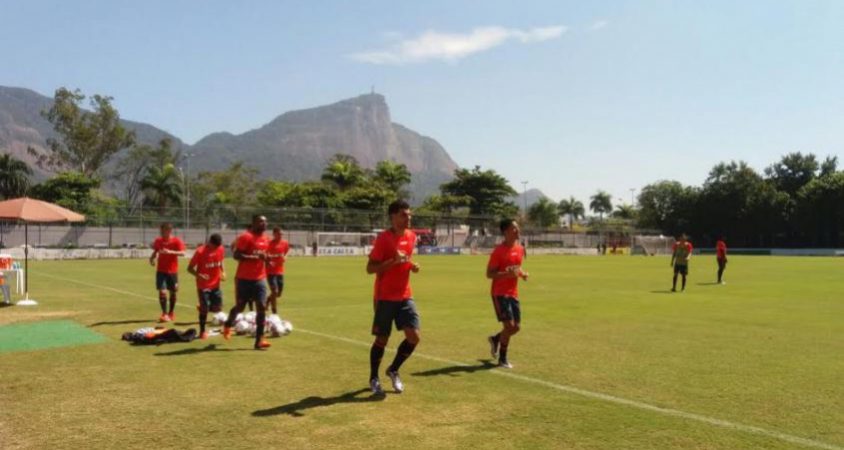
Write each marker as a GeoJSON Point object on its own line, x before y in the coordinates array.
{"type": "Point", "coordinates": [559, 387]}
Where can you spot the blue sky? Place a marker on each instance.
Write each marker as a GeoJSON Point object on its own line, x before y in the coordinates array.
{"type": "Point", "coordinates": [570, 96]}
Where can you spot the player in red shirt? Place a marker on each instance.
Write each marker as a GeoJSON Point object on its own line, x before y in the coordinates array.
{"type": "Point", "coordinates": [721, 257]}
{"type": "Point", "coordinates": [505, 269]}
{"type": "Point", "coordinates": [276, 254]}
{"type": "Point", "coordinates": [207, 266]}
{"type": "Point", "coordinates": [250, 279]}
{"type": "Point", "coordinates": [168, 249]}
{"type": "Point", "coordinates": [680, 256]}
{"type": "Point", "coordinates": [390, 261]}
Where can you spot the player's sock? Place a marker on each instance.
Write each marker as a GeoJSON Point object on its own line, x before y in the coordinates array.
{"type": "Point", "coordinates": [203, 318]}
{"type": "Point", "coordinates": [674, 283]}
{"type": "Point", "coordinates": [162, 300]}
{"type": "Point", "coordinates": [502, 351]}
{"type": "Point", "coordinates": [684, 283]}
{"type": "Point", "coordinates": [172, 302]}
{"type": "Point", "coordinates": [260, 318]}
{"type": "Point", "coordinates": [375, 355]}
{"type": "Point", "coordinates": [497, 338]}
{"type": "Point", "coordinates": [232, 315]}
{"type": "Point", "coordinates": [404, 352]}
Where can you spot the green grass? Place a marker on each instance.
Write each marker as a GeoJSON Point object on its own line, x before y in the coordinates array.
{"type": "Point", "coordinates": [766, 350]}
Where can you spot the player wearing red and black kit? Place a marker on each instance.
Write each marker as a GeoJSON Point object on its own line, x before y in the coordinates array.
{"type": "Point", "coordinates": [681, 253]}
{"type": "Point", "coordinates": [505, 269]}
{"type": "Point", "coordinates": [250, 279]}
{"type": "Point", "coordinates": [276, 256]}
{"type": "Point", "coordinates": [721, 258]}
{"type": "Point", "coordinates": [391, 262]}
{"type": "Point", "coordinates": [167, 248]}
{"type": "Point", "coordinates": [207, 266]}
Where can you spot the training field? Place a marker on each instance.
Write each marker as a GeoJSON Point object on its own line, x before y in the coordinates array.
{"type": "Point", "coordinates": [607, 358]}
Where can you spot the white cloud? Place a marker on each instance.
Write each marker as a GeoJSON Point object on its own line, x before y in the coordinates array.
{"type": "Point", "coordinates": [598, 25]}
{"type": "Point", "coordinates": [435, 45]}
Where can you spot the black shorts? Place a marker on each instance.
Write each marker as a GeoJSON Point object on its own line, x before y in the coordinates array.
{"type": "Point", "coordinates": [402, 312]}
{"type": "Point", "coordinates": [682, 269]}
{"type": "Point", "coordinates": [276, 282]}
{"type": "Point", "coordinates": [507, 309]}
{"type": "Point", "coordinates": [166, 281]}
{"type": "Point", "coordinates": [251, 290]}
{"type": "Point", "coordinates": [211, 299]}
{"type": "Point", "coordinates": [722, 263]}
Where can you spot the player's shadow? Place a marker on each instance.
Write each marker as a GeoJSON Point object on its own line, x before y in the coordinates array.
{"type": "Point", "coordinates": [711, 283]}
{"type": "Point", "coordinates": [485, 364]}
{"type": "Point", "coordinates": [665, 291]}
{"type": "Point", "coordinates": [207, 348]}
{"type": "Point", "coordinates": [185, 324]}
{"type": "Point", "coordinates": [120, 322]}
{"type": "Point", "coordinates": [295, 409]}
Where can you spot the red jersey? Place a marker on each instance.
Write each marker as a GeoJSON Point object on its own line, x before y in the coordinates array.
{"type": "Point", "coordinates": [277, 250]}
{"type": "Point", "coordinates": [394, 283]}
{"type": "Point", "coordinates": [168, 263]}
{"type": "Point", "coordinates": [721, 250]}
{"type": "Point", "coordinates": [682, 252]}
{"type": "Point", "coordinates": [249, 243]}
{"type": "Point", "coordinates": [503, 258]}
{"type": "Point", "coordinates": [210, 263]}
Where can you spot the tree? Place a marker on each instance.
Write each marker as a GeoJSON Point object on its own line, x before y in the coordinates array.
{"type": "Point", "coordinates": [600, 203]}
{"type": "Point", "coordinates": [487, 191]}
{"type": "Point", "coordinates": [343, 171]}
{"type": "Point", "coordinates": [71, 190]}
{"type": "Point", "coordinates": [234, 187]}
{"type": "Point", "coordinates": [162, 187]}
{"type": "Point", "coordinates": [544, 213]}
{"type": "Point", "coordinates": [393, 176]}
{"type": "Point", "coordinates": [829, 166]}
{"type": "Point", "coordinates": [572, 208]}
{"type": "Point", "coordinates": [665, 205]}
{"type": "Point", "coordinates": [821, 207]}
{"type": "Point", "coordinates": [14, 176]}
{"type": "Point", "coordinates": [87, 139]}
{"type": "Point", "coordinates": [627, 212]}
{"type": "Point", "coordinates": [132, 168]}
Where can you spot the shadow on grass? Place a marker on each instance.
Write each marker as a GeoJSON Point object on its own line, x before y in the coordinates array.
{"type": "Point", "coordinates": [121, 322]}
{"type": "Point", "coordinates": [667, 291]}
{"type": "Point", "coordinates": [185, 324]}
{"type": "Point", "coordinates": [207, 348]}
{"type": "Point", "coordinates": [4, 304]}
{"type": "Point", "coordinates": [485, 364]}
{"type": "Point", "coordinates": [295, 409]}
{"type": "Point", "coordinates": [713, 283]}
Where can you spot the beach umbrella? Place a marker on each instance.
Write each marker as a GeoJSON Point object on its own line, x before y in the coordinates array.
{"type": "Point", "coordinates": [29, 210]}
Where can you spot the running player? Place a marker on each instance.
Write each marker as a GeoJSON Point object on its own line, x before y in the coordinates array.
{"type": "Point", "coordinates": [721, 257]}
{"type": "Point", "coordinates": [168, 249]}
{"type": "Point", "coordinates": [390, 261]}
{"type": "Point", "coordinates": [277, 254]}
{"type": "Point", "coordinates": [250, 279]}
{"type": "Point", "coordinates": [505, 269]}
{"type": "Point", "coordinates": [207, 266]}
{"type": "Point", "coordinates": [680, 256]}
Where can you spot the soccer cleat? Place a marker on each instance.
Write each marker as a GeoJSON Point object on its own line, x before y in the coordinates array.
{"type": "Point", "coordinates": [227, 333]}
{"type": "Point", "coordinates": [375, 386]}
{"type": "Point", "coordinates": [263, 344]}
{"type": "Point", "coordinates": [493, 346]}
{"type": "Point", "coordinates": [398, 386]}
{"type": "Point", "coordinates": [163, 318]}
{"type": "Point", "coordinates": [504, 364]}
{"type": "Point", "coordinates": [203, 335]}
{"type": "Point", "coordinates": [171, 317]}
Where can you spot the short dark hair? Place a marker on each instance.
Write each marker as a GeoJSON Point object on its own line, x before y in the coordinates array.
{"type": "Point", "coordinates": [166, 225]}
{"type": "Point", "coordinates": [397, 206]}
{"type": "Point", "coordinates": [216, 239]}
{"type": "Point", "coordinates": [256, 217]}
{"type": "Point", "coordinates": [505, 223]}
{"type": "Point", "coordinates": [276, 228]}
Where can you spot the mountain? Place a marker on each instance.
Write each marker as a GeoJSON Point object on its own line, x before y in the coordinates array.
{"type": "Point", "coordinates": [296, 145]}
{"type": "Point", "coordinates": [532, 195]}
{"type": "Point", "coordinates": [21, 125]}
{"type": "Point", "coordinates": [292, 147]}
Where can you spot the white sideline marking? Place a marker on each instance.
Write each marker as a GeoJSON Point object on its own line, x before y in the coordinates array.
{"type": "Point", "coordinates": [559, 387]}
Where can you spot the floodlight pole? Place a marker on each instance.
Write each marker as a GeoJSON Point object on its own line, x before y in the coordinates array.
{"type": "Point", "coordinates": [524, 195]}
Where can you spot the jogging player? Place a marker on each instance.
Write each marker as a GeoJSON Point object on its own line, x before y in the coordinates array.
{"type": "Point", "coordinates": [276, 254]}
{"type": "Point", "coordinates": [505, 269]}
{"type": "Point", "coordinates": [250, 279]}
{"type": "Point", "coordinates": [680, 256]}
{"type": "Point", "coordinates": [390, 261]}
{"type": "Point", "coordinates": [207, 266]}
{"type": "Point", "coordinates": [721, 257]}
{"type": "Point", "coordinates": [167, 248]}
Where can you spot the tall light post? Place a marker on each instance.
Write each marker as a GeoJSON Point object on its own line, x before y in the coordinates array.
{"type": "Point", "coordinates": [187, 189]}
{"type": "Point", "coordinates": [524, 195]}
{"type": "Point", "coordinates": [633, 197]}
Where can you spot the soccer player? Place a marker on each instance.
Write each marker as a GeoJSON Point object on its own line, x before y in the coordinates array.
{"type": "Point", "coordinates": [207, 266]}
{"type": "Point", "coordinates": [250, 279]}
{"type": "Point", "coordinates": [390, 261]}
{"type": "Point", "coordinates": [505, 269]}
{"type": "Point", "coordinates": [680, 256]}
{"type": "Point", "coordinates": [276, 254]}
{"type": "Point", "coordinates": [167, 248]}
{"type": "Point", "coordinates": [721, 257]}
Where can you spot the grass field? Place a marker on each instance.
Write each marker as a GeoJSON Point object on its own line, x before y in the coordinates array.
{"type": "Point", "coordinates": [607, 359]}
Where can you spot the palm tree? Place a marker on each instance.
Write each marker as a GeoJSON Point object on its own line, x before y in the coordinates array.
{"type": "Point", "coordinates": [572, 208]}
{"type": "Point", "coordinates": [601, 203]}
{"type": "Point", "coordinates": [624, 212]}
{"type": "Point", "coordinates": [394, 176]}
{"type": "Point", "coordinates": [14, 176]}
{"type": "Point", "coordinates": [344, 171]}
{"type": "Point", "coordinates": [162, 186]}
